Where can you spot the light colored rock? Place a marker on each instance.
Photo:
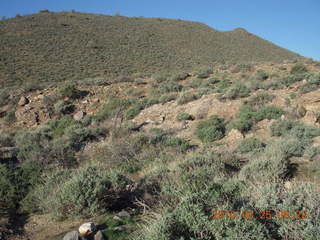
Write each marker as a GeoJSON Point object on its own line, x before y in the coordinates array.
{"type": "Point", "coordinates": [79, 115]}
{"type": "Point", "coordinates": [23, 101]}
{"type": "Point", "coordinates": [121, 228]}
{"type": "Point", "coordinates": [288, 185]}
{"type": "Point", "coordinates": [123, 214]}
{"type": "Point", "coordinates": [99, 236]}
{"type": "Point", "coordinates": [87, 228]}
{"type": "Point", "coordinates": [235, 134]}
{"type": "Point", "coordinates": [310, 118]}
{"type": "Point", "coordinates": [116, 218]}
{"type": "Point", "coordinates": [74, 235]}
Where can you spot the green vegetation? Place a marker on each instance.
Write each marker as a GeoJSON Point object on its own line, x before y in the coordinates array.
{"type": "Point", "coordinates": [298, 69]}
{"type": "Point", "coordinates": [211, 130]}
{"type": "Point", "coordinates": [69, 90]}
{"type": "Point", "coordinates": [184, 116]}
{"type": "Point", "coordinates": [156, 45]}
{"type": "Point", "coordinates": [248, 116]}
{"type": "Point", "coordinates": [251, 145]}
{"type": "Point", "coordinates": [186, 97]}
{"type": "Point", "coordinates": [237, 91]}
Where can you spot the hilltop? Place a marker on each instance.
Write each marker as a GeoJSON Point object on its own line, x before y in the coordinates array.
{"type": "Point", "coordinates": [52, 47]}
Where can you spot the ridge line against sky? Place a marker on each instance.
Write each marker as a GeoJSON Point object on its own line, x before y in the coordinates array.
{"type": "Point", "coordinates": [291, 24]}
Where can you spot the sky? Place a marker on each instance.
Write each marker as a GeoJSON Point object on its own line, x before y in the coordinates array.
{"type": "Point", "coordinates": [292, 24]}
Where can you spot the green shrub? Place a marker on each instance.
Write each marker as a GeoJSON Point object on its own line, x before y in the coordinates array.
{"type": "Point", "coordinates": [247, 116]}
{"type": "Point", "coordinates": [69, 90]}
{"type": "Point", "coordinates": [161, 77]}
{"type": "Point", "coordinates": [259, 100]}
{"type": "Point", "coordinates": [272, 165]}
{"type": "Point", "coordinates": [223, 85]}
{"type": "Point", "coordinates": [4, 97]}
{"type": "Point", "coordinates": [237, 91]}
{"type": "Point", "coordinates": [63, 107]}
{"type": "Point", "coordinates": [261, 75]}
{"type": "Point", "coordinates": [293, 128]}
{"type": "Point", "coordinates": [251, 145]}
{"type": "Point", "coordinates": [211, 129]}
{"type": "Point", "coordinates": [186, 97]}
{"type": "Point", "coordinates": [15, 184]}
{"type": "Point", "coordinates": [312, 153]}
{"type": "Point", "coordinates": [170, 86]}
{"type": "Point", "coordinates": [86, 192]}
{"type": "Point", "coordinates": [204, 72]}
{"type": "Point", "coordinates": [184, 116]}
{"type": "Point", "coordinates": [178, 76]}
{"type": "Point", "coordinates": [10, 117]}
{"type": "Point", "coordinates": [298, 69]}
{"type": "Point", "coordinates": [313, 83]}
{"type": "Point", "coordinates": [134, 110]}
{"type": "Point", "coordinates": [167, 97]}
{"type": "Point", "coordinates": [289, 80]}
{"type": "Point", "coordinates": [111, 108]}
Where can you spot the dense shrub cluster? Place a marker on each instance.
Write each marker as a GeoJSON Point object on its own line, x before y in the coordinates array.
{"type": "Point", "coordinates": [85, 192]}
{"type": "Point", "coordinates": [251, 145]}
{"type": "Point", "coordinates": [237, 91]}
{"type": "Point", "coordinates": [211, 129]}
{"type": "Point", "coordinates": [247, 116]}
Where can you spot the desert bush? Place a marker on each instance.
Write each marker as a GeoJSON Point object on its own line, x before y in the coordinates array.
{"type": "Point", "coordinates": [63, 107]}
{"type": "Point", "coordinates": [10, 117]}
{"type": "Point", "coordinates": [86, 192]}
{"type": "Point", "coordinates": [289, 80]}
{"type": "Point", "coordinates": [261, 75]}
{"type": "Point", "coordinates": [300, 203]}
{"type": "Point", "coordinates": [247, 116]}
{"type": "Point", "coordinates": [204, 72]}
{"type": "Point", "coordinates": [15, 183]}
{"type": "Point", "coordinates": [293, 128]}
{"type": "Point", "coordinates": [211, 129]}
{"type": "Point", "coordinates": [4, 97]}
{"type": "Point", "coordinates": [69, 90]}
{"type": "Point", "coordinates": [223, 85]}
{"type": "Point", "coordinates": [134, 92]}
{"type": "Point", "coordinates": [167, 97]}
{"type": "Point", "coordinates": [312, 153]}
{"type": "Point", "coordinates": [243, 68]}
{"type": "Point", "coordinates": [259, 100]}
{"type": "Point", "coordinates": [313, 83]}
{"type": "Point", "coordinates": [271, 165]}
{"type": "Point", "coordinates": [179, 76]}
{"type": "Point", "coordinates": [237, 91]}
{"type": "Point", "coordinates": [113, 107]}
{"type": "Point", "coordinates": [161, 77]}
{"type": "Point", "coordinates": [169, 86]}
{"type": "Point", "coordinates": [251, 145]}
{"type": "Point", "coordinates": [184, 116]}
{"type": "Point", "coordinates": [298, 69]}
{"type": "Point", "coordinates": [186, 97]}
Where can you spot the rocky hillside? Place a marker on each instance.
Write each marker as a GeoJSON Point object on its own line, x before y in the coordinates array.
{"type": "Point", "coordinates": [204, 154]}
{"type": "Point", "coordinates": [53, 47]}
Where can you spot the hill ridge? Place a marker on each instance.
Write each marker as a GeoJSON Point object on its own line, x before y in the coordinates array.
{"type": "Point", "coordinates": [54, 47]}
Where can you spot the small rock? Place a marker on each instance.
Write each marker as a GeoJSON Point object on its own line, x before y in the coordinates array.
{"type": "Point", "coordinates": [116, 218]}
{"type": "Point", "coordinates": [85, 102]}
{"type": "Point", "coordinates": [96, 100]}
{"type": "Point", "coordinates": [123, 214]}
{"type": "Point", "coordinates": [23, 101]}
{"type": "Point", "coordinates": [79, 115]}
{"type": "Point", "coordinates": [74, 235]}
{"type": "Point", "coordinates": [288, 185]}
{"type": "Point", "coordinates": [87, 228]}
{"type": "Point", "coordinates": [121, 228]}
{"type": "Point", "coordinates": [99, 236]}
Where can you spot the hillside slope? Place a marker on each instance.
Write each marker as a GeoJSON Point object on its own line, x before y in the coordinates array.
{"type": "Point", "coordinates": [51, 47]}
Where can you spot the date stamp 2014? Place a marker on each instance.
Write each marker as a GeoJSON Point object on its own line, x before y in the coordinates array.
{"type": "Point", "coordinates": [262, 214]}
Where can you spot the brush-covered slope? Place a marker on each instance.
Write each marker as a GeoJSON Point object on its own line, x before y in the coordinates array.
{"type": "Point", "coordinates": [51, 47]}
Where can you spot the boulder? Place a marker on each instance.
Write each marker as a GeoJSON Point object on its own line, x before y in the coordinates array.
{"type": "Point", "coordinates": [87, 228]}
{"type": "Point", "coordinates": [99, 236]}
{"type": "Point", "coordinates": [23, 101]}
{"type": "Point", "coordinates": [74, 235]}
{"type": "Point", "coordinates": [79, 115]}
{"type": "Point", "coordinates": [123, 214]}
